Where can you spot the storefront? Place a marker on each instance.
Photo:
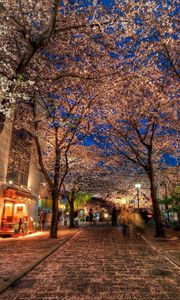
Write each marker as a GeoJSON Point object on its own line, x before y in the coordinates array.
{"type": "Point", "coordinates": [46, 206]}
{"type": "Point", "coordinates": [19, 212]}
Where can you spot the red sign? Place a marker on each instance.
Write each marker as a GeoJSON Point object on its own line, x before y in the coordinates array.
{"type": "Point", "coordinates": [10, 193]}
{"type": "Point", "coordinates": [19, 208]}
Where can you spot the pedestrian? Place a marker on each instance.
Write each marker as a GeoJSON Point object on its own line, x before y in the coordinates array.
{"type": "Point", "coordinates": [76, 218]}
{"type": "Point", "coordinates": [144, 215]}
{"type": "Point", "coordinates": [138, 223]}
{"type": "Point", "coordinates": [124, 220]}
{"type": "Point", "coordinates": [91, 217]}
{"type": "Point", "coordinates": [114, 216]}
{"type": "Point", "coordinates": [20, 225]}
{"type": "Point", "coordinates": [59, 215]}
{"type": "Point", "coordinates": [42, 219]}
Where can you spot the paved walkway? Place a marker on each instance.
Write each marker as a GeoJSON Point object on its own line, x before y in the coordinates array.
{"type": "Point", "coordinates": [98, 264]}
{"type": "Point", "coordinates": [16, 254]}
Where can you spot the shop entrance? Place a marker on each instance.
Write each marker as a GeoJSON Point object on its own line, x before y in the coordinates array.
{"type": "Point", "coordinates": [8, 212]}
{"type": "Point", "coordinates": [8, 208]}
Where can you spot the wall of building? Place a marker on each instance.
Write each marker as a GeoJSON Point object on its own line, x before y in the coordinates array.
{"type": "Point", "coordinates": [34, 177]}
{"type": "Point", "coordinates": [30, 206]}
{"type": "Point", "coordinates": [5, 142]}
{"type": "Point", "coordinates": [34, 187]}
{"type": "Point", "coordinates": [32, 209]}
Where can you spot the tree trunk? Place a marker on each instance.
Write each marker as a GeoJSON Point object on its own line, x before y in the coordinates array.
{"type": "Point", "coordinates": [178, 213]}
{"type": "Point", "coordinates": [71, 204]}
{"type": "Point", "coordinates": [157, 215]}
{"type": "Point", "coordinates": [2, 121]}
{"type": "Point", "coordinates": [54, 221]}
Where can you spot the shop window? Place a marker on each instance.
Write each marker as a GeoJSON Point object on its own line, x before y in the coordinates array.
{"type": "Point", "coordinates": [8, 209]}
{"type": "Point", "coordinates": [19, 159]}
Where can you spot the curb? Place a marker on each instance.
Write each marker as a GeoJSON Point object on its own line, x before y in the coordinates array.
{"type": "Point", "coordinates": [175, 264]}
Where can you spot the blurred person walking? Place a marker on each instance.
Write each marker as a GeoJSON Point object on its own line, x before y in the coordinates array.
{"type": "Point", "coordinates": [124, 221]}
{"type": "Point", "coordinates": [114, 216]}
{"type": "Point", "coordinates": [137, 222]}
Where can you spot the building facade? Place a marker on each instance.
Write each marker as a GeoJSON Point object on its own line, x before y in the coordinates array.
{"type": "Point", "coordinates": [19, 180]}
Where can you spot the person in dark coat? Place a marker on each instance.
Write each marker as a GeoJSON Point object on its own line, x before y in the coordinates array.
{"type": "Point", "coordinates": [114, 216]}
{"type": "Point", "coordinates": [20, 226]}
{"type": "Point", "coordinates": [42, 219]}
{"type": "Point", "coordinates": [90, 216]}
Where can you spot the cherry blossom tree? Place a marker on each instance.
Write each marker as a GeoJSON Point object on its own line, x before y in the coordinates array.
{"type": "Point", "coordinates": [40, 38]}
{"type": "Point", "coordinates": [50, 40]}
{"type": "Point", "coordinates": [141, 127]}
{"type": "Point", "coordinates": [24, 29]}
{"type": "Point", "coordinates": [83, 166]}
{"type": "Point", "coordinates": [57, 123]}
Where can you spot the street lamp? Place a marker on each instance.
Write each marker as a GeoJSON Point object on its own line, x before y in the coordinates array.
{"type": "Point", "coordinates": [138, 186]}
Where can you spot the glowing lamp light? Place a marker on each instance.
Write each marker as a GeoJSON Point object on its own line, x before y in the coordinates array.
{"type": "Point", "coordinates": [137, 185]}
{"type": "Point", "coordinates": [106, 215]}
{"type": "Point", "coordinates": [123, 201]}
{"type": "Point", "coordinates": [10, 182]}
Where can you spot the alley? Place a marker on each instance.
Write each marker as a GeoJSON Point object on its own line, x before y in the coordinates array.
{"type": "Point", "coordinates": [97, 263]}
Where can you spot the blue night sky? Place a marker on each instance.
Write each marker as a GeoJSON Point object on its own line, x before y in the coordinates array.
{"type": "Point", "coordinates": [108, 3]}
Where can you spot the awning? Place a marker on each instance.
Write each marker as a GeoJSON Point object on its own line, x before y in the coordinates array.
{"type": "Point", "coordinates": [13, 193]}
{"type": "Point", "coordinates": [25, 194]}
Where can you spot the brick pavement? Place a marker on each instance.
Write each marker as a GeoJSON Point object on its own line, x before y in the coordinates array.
{"type": "Point", "coordinates": [98, 264]}
{"type": "Point", "coordinates": [18, 253]}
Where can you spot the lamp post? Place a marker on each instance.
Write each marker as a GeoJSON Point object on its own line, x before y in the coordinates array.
{"type": "Point", "coordinates": [138, 186]}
